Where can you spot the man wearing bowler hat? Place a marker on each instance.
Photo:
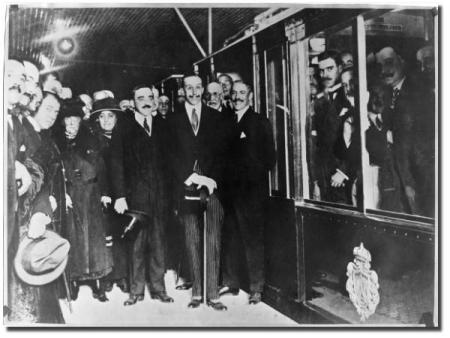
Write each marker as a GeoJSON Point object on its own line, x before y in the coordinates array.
{"type": "Point", "coordinates": [137, 170]}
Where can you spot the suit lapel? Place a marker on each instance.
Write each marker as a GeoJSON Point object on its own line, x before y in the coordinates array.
{"type": "Point", "coordinates": [203, 123]}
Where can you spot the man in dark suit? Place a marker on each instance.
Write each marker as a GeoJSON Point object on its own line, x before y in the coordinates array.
{"type": "Point", "coordinates": [249, 158]}
{"type": "Point", "coordinates": [409, 131]}
{"type": "Point", "coordinates": [137, 179]}
{"type": "Point", "coordinates": [198, 142]}
{"type": "Point", "coordinates": [327, 181]}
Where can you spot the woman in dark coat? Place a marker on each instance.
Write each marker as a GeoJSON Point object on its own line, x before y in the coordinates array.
{"type": "Point", "coordinates": [90, 259]}
{"type": "Point", "coordinates": [104, 120]}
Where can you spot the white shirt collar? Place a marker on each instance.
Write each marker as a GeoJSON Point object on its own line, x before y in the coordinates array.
{"type": "Point", "coordinates": [241, 113]}
{"type": "Point", "coordinates": [189, 107]}
{"type": "Point", "coordinates": [399, 84]}
{"type": "Point", "coordinates": [335, 87]}
{"type": "Point", "coordinates": [34, 123]}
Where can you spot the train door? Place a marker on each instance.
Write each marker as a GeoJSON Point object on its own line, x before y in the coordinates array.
{"type": "Point", "coordinates": [271, 66]}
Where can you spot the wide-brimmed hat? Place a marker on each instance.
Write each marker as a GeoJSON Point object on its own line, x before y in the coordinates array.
{"type": "Point", "coordinates": [42, 260]}
{"type": "Point", "coordinates": [104, 104]}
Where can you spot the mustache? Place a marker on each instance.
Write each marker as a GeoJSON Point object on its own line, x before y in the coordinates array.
{"type": "Point", "coordinates": [387, 74]}
{"type": "Point", "coordinates": [238, 100]}
{"type": "Point", "coordinates": [146, 106]}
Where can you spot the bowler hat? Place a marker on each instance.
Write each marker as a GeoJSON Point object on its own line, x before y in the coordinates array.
{"type": "Point", "coordinates": [107, 103]}
{"type": "Point", "coordinates": [41, 260]}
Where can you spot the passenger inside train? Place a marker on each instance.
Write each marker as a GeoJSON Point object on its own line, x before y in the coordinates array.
{"type": "Point", "coordinates": [294, 163]}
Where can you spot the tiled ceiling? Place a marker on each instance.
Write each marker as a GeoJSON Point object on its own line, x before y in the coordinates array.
{"type": "Point", "coordinates": [142, 43]}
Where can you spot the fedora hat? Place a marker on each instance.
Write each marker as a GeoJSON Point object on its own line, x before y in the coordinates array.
{"type": "Point", "coordinates": [41, 260]}
{"type": "Point", "coordinates": [107, 103]}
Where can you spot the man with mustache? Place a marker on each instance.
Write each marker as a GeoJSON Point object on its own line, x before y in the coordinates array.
{"type": "Point", "coordinates": [214, 98]}
{"type": "Point", "coordinates": [409, 129]}
{"type": "Point", "coordinates": [249, 159]}
{"type": "Point", "coordinates": [198, 144]}
{"type": "Point", "coordinates": [138, 166]}
{"type": "Point", "coordinates": [328, 107]}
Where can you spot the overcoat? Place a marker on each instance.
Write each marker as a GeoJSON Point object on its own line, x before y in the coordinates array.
{"type": "Point", "coordinates": [89, 257]}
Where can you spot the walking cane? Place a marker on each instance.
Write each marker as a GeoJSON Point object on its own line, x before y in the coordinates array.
{"type": "Point", "coordinates": [64, 274]}
{"type": "Point", "coordinates": [204, 257]}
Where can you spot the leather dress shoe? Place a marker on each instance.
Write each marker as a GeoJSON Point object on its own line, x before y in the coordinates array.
{"type": "Point", "coordinates": [227, 290]}
{"type": "Point", "coordinates": [254, 298]}
{"type": "Point", "coordinates": [184, 286]}
{"type": "Point", "coordinates": [218, 306]}
{"type": "Point", "coordinates": [162, 296]}
{"type": "Point", "coordinates": [123, 285]}
{"type": "Point", "coordinates": [195, 303]}
{"type": "Point", "coordinates": [108, 286]}
{"type": "Point", "coordinates": [100, 295]}
{"type": "Point", "coordinates": [133, 299]}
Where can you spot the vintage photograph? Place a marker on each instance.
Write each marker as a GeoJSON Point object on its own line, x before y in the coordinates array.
{"type": "Point", "coordinates": [221, 165]}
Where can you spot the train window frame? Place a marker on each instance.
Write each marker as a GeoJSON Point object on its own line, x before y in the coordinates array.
{"type": "Point", "coordinates": [427, 222]}
{"type": "Point", "coordinates": [360, 67]}
{"type": "Point", "coordinates": [304, 95]}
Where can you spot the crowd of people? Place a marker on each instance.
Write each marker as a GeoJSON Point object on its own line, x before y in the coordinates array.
{"type": "Point", "coordinates": [102, 192]}
{"type": "Point", "coordinates": [400, 138]}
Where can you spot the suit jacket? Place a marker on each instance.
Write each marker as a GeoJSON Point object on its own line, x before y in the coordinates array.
{"type": "Point", "coordinates": [327, 124]}
{"type": "Point", "coordinates": [207, 149]}
{"type": "Point", "coordinates": [251, 155]}
{"type": "Point", "coordinates": [137, 164]}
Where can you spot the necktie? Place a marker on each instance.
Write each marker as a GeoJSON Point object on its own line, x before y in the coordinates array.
{"type": "Point", "coordinates": [146, 126]}
{"type": "Point", "coordinates": [395, 94]}
{"type": "Point", "coordinates": [235, 118]}
{"type": "Point", "coordinates": [194, 120]}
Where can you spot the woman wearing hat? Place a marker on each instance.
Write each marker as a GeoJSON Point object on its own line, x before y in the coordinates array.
{"type": "Point", "coordinates": [104, 117]}
{"type": "Point", "coordinates": [90, 258]}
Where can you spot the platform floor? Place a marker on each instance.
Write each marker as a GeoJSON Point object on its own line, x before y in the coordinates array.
{"type": "Point", "coordinates": [87, 311]}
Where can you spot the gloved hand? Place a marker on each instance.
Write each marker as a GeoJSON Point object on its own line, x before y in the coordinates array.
{"type": "Point", "coordinates": [207, 182]}
{"type": "Point", "coordinates": [53, 203]}
{"type": "Point", "coordinates": [193, 179]}
{"type": "Point", "coordinates": [68, 202]}
{"type": "Point", "coordinates": [121, 205]}
{"type": "Point", "coordinates": [338, 179]}
{"type": "Point", "coordinates": [105, 200]}
{"type": "Point", "coordinates": [37, 226]}
{"type": "Point", "coordinates": [24, 176]}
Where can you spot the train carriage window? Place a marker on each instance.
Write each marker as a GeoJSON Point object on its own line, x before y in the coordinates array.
{"type": "Point", "coordinates": [400, 128]}
{"type": "Point", "coordinates": [332, 133]}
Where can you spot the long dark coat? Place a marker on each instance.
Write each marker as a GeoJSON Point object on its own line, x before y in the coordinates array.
{"type": "Point", "coordinates": [30, 304]}
{"type": "Point", "coordinates": [89, 257]}
{"type": "Point", "coordinates": [115, 222]}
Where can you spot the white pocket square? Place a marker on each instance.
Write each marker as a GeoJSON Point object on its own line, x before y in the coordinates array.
{"type": "Point", "coordinates": [243, 135]}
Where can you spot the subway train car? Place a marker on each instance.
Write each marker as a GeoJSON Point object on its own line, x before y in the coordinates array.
{"type": "Point", "coordinates": [351, 233]}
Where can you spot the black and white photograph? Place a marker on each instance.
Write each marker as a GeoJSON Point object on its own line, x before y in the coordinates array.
{"type": "Point", "coordinates": [222, 165]}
